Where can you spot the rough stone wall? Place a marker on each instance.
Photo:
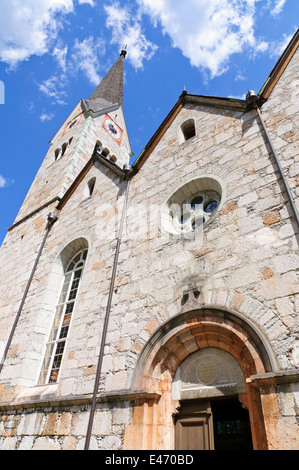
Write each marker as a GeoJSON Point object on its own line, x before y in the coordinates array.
{"type": "Point", "coordinates": [55, 176]}
{"type": "Point", "coordinates": [64, 428]}
{"type": "Point", "coordinates": [36, 320]}
{"type": "Point", "coordinates": [36, 429]}
{"type": "Point", "coordinates": [246, 260]}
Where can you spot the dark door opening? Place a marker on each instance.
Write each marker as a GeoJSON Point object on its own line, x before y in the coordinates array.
{"type": "Point", "coordinates": [231, 425]}
{"type": "Point", "coordinates": [216, 424]}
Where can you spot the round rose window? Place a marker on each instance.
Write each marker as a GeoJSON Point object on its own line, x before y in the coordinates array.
{"type": "Point", "coordinates": [196, 210]}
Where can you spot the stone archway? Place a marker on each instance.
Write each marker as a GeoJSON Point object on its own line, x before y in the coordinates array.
{"type": "Point", "coordinates": [173, 342]}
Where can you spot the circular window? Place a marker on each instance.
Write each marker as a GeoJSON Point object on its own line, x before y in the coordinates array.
{"type": "Point", "coordinates": [192, 205]}
{"type": "Point", "coordinates": [196, 210]}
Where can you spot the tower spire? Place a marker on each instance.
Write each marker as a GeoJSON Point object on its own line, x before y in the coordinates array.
{"type": "Point", "coordinates": [110, 90]}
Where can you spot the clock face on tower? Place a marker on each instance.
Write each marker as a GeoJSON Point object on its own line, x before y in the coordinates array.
{"type": "Point", "coordinates": [72, 123]}
{"type": "Point", "coordinates": [112, 129]}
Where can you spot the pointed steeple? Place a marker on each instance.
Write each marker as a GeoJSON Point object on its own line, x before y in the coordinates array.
{"type": "Point", "coordinates": [109, 92]}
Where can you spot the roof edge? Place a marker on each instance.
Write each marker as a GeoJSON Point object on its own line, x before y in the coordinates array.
{"type": "Point", "coordinates": [279, 68]}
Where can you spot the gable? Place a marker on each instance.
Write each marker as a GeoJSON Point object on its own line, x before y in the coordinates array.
{"type": "Point", "coordinates": [219, 102]}
{"type": "Point", "coordinates": [186, 101]}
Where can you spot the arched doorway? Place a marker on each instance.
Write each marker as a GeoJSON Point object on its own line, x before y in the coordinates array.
{"type": "Point", "coordinates": [210, 387]}
{"type": "Point", "coordinates": [178, 340]}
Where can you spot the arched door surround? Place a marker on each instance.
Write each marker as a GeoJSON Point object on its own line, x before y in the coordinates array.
{"type": "Point", "coordinates": [169, 346]}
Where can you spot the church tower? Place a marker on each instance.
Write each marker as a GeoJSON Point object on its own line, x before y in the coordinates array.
{"type": "Point", "coordinates": [97, 123]}
{"type": "Point", "coordinates": [84, 173]}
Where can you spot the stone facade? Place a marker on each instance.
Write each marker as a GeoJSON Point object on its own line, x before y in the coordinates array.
{"type": "Point", "coordinates": [232, 284]}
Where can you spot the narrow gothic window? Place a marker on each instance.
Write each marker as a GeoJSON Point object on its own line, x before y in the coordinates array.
{"type": "Point", "coordinates": [91, 184]}
{"type": "Point", "coordinates": [58, 337]}
{"type": "Point", "coordinates": [63, 148]}
{"type": "Point", "coordinates": [57, 152]}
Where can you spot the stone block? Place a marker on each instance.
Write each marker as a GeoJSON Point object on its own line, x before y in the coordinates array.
{"type": "Point", "coordinates": [244, 276]}
{"type": "Point", "coordinates": [278, 286]}
{"type": "Point", "coordinates": [46, 443]}
{"type": "Point", "coordinates": [102, 423]}
{"type": "Point", "coordinates": [285, 263]}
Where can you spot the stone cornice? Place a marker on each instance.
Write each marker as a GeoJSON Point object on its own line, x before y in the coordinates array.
{"type": "Point", "coordinates": [116, 396]}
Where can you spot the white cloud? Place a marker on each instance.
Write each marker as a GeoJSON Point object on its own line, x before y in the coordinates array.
{"type": "Point", "coordinates": [238, 97]}
{"type": "Point", "coordinates": [46, 117]}
{"type": "Point", "coordinates": [28, 28]}
{"type": "Point", "coordinates": [83, 55]}
{"type": "Point", "coordinates": [239, 77]}
{"type": "Point", "coordinates": [2, 182]}
{"type": "Point", "coordinates": [2, 92]}
{"type": "Point", "coordinates": [208, 32]}
{"type": "Point", "coordinates": [5, 182]}
{"type": "Point", "coordinates": [53, 87]}
{"type": "Point", "coordinates": [262, 46]}
{"type": "Point", "coordinates": [278, 47]}
{"type": "Point", "coordinates": [60, 54]}
{"type": "Point", "coordinates": [127, 31]}
{"type": "Point", "coordinates": [278, 7]}
{"type": "Point", "coordinates": [90, 2]}
{"type": "Point", "coordinates": [86, 55]}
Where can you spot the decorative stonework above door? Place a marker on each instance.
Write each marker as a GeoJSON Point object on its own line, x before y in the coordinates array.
{"type": "Point", "coordinates": [210, 372]}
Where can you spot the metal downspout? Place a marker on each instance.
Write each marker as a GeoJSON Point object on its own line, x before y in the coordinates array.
{"type": "Point", "coordinates": [252, 98]}
{"type": "Point", "coordinates": [106, 321]}
{"type": "Point", "coordinates": [51, 220]}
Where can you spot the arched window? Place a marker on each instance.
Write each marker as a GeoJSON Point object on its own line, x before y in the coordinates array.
{"type": "Point", "coordinates": [59, 333]}
{"type": "Point", "coordinates": [192, 206]}
{"type": "Point", "coordinates": [63, 148]}
{"type": "Point", "coordinates": [57, 152]}
{"type": "Point", "coordinates": [91, 183]}
{"type": "Point", "coordinates": [188, 129]}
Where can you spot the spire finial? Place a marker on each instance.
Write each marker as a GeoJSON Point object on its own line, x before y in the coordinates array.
{"type": "Point", "coordinates": [124, 51]}
{"type": "Point", "coordinates": [110, 91]}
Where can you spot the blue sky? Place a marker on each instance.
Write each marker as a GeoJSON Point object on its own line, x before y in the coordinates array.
{"type": "Point", "coordinates": [54, 52]}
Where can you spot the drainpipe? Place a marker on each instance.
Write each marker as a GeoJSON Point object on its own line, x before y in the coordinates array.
{"type": "Point", "coordinates": [51, 220]}
{"type": "Point", "coordinates": [128, 171]}
{"type": "Point", "coordinates": [252, 99]}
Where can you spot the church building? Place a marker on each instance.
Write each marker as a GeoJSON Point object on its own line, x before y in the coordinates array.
{"type": "Point", "coordinates": [154, 306]}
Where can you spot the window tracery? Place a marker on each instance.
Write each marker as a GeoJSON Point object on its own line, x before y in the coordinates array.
{"type": "Point", "coordinates": [196, 210]}
{"type": "Point", "coordinates": [56, 344]}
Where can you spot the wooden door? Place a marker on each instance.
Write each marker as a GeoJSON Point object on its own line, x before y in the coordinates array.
{"type": "Point", "coordinates": [220, 424]}
{"type": "Point", "coordinates": [194, 427]}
